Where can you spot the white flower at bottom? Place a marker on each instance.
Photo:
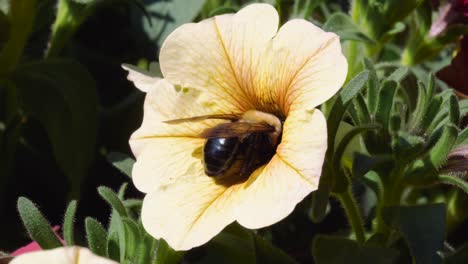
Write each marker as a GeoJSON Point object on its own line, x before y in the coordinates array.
{"type": "Point", "coordinates": [229, 64]}
{"type": "Point", "coordinates": [62, 255]}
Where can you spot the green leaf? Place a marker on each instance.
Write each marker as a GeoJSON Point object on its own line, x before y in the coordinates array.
{"type": "Point", "coordinates": [385, 103]}
{"type": "Point", "coordinates": [69, 223]}
{"type": "Point", "coordinates": [398, 75]}
{"type": "Point", "coordinates": [96, 236]}
{"type": "Point", "coordinates": [122, 190]}
{"type": "Point", "coordinates": [21, 16]}
{"type": "Point", "coordinates": [342, 102]}
{"type": "Point", "coordinates": [424, 238]}
{"type": "Point", "coordinates": [122, 162]}
{"type": "Point", "coordinates": [61, 94]}
{"type": "Point", "coordinates": [235, 244]}
{"type": "Point", "coordinates": [425, 171]}
{"type": "Point", "coordinates": [132, 237]}
{"type": "Point", "coordinates": [346, 140]}
{"type": "Point", "coordinates": [344, 27]}
{"type": "Point", "coordinates": [407, 147]}
{"type": "Point", "coordinates": [320, 199]}
{"type": "Point", "coordinates": [359, 111]}
{"type": "Point", "coordinates": [421, 104]}
{"type": "Point", "coordinates": [165, 16]}
{"type": "Point", "coordinates": [362, 163]}
{"type": "Point", "coordinates": [113, 200]}
{"type": "Point", "coordinates": [267, 253]}
{"type": "Point", "coordinates": [37, 226]}
{"type": "Point", "coordinates": [462, 137]}
{"type": "Point", "coordinates": [454, 110]}
{"type": "Point", "coordinates": [338, 250]}
{"type": "Point", "coordinates": [372, 86]}
{"type": "Point", "coordinates": [455, 181]}
{"type": "Point", "coordinates": [116, 245]}
{"type": "Point", "coordinates": [145, 249]}
{"type": "Point", "coordinates": [165, 254]}
{"type": "Point", "coordinates": [223, 10]}
{"type": "Point", "coordinates": [432, 110]}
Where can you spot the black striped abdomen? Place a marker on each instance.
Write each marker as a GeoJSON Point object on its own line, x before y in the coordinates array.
{"type": "Point", "coordinates": [219, 154]}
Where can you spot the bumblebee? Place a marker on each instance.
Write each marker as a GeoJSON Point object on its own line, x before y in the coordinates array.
{"type": "Point", "coordinates": [251, 137]}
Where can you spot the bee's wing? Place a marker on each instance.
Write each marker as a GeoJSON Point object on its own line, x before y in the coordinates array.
{"type": "Point", "coordinates": [236, 129]}
{"type": "Point", "coordinates": [231, 117]}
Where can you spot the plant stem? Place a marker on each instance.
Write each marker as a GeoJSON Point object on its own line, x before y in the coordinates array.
{"type": "Point", "coordinates": [353, 45]}
{"type": "Point", "coordinates": [22, 14]}
{"type": "Point", "coordinates": [70, 16]}
{"type": "Point", "coordinates": [353, 214]}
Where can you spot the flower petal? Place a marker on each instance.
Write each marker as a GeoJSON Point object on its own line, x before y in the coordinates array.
{"type": "Point", "coordinates": [163, 161]}
{"type": "Point", "coordinates": [272, 192]}
{"type": "Point", "coordinates": [302, 68]}
{"type": "Point", "coordinates": [63, 255]}
{"type": "Point", "coordinates": [188, 213]}
{"type": "Point", "coordinates": [304, 143]}
{"type": "Point", "coordinates": [220, 54]}
{"type": "Point", "coordinates": [167, 102]}
{"type": "Point", "coordinates": [143, 80]}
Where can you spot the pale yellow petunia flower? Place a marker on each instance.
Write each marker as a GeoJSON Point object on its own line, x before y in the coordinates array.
{"type": "Point", "coordinates": [231, 64]}
{"type": "Point", "coordinates": [62, 255]}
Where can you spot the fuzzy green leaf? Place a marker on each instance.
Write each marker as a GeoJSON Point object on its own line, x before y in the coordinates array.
{"type": "Point", "coordinates": [132, 237]}
{"type": "Point", "coordinates": [145, 249]}
{"type": "Point", "coordinates": [406, 146]}
{"type": "Point", "coordinates": [116, 238]}
{"type": "Point", "coordinates": [398, 75]}
{"type": "Point", "coordinates": [425, 171]}
{"type": "Point", "coordinates": [421, 104]}
{"type": "Point", "coordinates": [96, 236]}
{"type": "Point", "coordinates": [455, 181]}
{"type": "Point", "coordinates": [359, 111]}
{"type": "Point", "coordinates": [432, 110]}
{"type": "Point", "coordinates": [424, 238]}
{"type": "Point", "coordinates": [37, 226]}
{"type": "Point", "coordinates": [454, 110]}
{"type": "Point", "coordinates": [385, 103]}
{"type": "Point", "coordinates": [122, 162]}
{"type": "Point", "coordinates": [69, 223]}
{"type": "Point", "coordinates": [338, 250]}
{"type": "Point", "coordinates": [372, 86]}
{"type": "Point", "coordinates": [343, 26]}
{"type": "Point", "coordinates": [341, 104]}
{"type": "Point", "coordinates": [122, 190]}
{"type": "Point", "coordinates": [462, 137]}
{"type": "Point", "coordinates": [113, 200]}
{"type": "Point", "coordinates": [438, 154]}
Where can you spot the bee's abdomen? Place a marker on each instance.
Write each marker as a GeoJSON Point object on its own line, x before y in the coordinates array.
{"type": "Point", "coordinates": [219, 154]}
